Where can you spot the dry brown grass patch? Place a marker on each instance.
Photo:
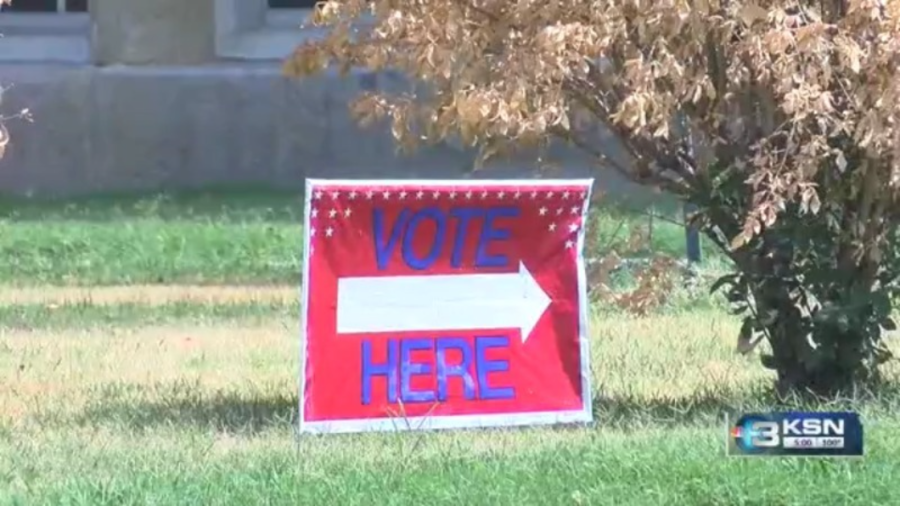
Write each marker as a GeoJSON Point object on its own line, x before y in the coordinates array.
{"type": "Point", "coordinates": [153, 295]}
{"type": "Point", "coordinates": [227, 376]}
{"type": "Point", "coordinates": [64, 371]}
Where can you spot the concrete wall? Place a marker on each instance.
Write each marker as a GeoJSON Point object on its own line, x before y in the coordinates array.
{"type": "Point", "coordinates": [150, 113]}
{"type": "Point", "coordinates": [175, 32]}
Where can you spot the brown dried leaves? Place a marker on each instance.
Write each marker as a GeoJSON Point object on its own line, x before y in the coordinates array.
{"type": "Point", "coordinates": [770, 83]}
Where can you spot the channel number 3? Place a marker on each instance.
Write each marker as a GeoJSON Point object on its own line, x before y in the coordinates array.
{"type": "Point", "coordinates": [765, 434]}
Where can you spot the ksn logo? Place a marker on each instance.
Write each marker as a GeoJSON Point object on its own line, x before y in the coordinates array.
{"type": "Point", "coordinates": [807, 433]}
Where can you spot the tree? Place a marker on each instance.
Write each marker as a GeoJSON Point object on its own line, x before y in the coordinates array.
{"type": "Point", "coordinates": [23, 114]}
{"type": "Point", "coordinates": [4, 133]}
{"type": "Point", "coordinates": [778, 119]}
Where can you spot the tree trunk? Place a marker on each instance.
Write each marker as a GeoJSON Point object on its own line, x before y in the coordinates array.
{"type": "Point", "coordinates": [827, 376]}
{"type": "Point", "coordinates": [820, 349]}
{"type": "Point", "coordinates": [819, 360]}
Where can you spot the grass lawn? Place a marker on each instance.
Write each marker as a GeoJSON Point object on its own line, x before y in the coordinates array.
{"type": "Point", "coordinates": [200, 237]}
{"type": "Point", "coordinates": [197, 411]}
{"type": "Point", "coordinates": [187, 394]}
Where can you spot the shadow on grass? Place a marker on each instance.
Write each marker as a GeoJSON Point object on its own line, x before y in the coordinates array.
{"type": "Point", "coordinates": [631, 412]}
{"type": "Point", "coordinates": [182, 404]}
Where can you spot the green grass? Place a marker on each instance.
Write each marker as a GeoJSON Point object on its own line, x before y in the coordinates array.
{"type": "Point", "coordinates": [198, 237]}
{"type": "Point", "coordinates": [148, 250]}
{"type": "Point", "coordinates": [229, 205]}
{"type": "Point", "coordinates": [191, 237]}
{"type": "Point", "coordinates": [187, 403]}
{"type": "Point", "coordinates": [172, 411]}
{"type": "Point", "coordinates": [655, 467]}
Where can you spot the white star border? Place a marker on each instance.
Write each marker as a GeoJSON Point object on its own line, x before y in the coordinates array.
{"type": "Point", "coordinates": [565, 207]}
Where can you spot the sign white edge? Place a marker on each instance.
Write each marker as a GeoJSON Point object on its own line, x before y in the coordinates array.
{"type": "Point", "coordinates": [304, 301]}
{"type": "Point", "coordinates": [585, 415]}
{"type": "Point", "coordinates": [419, 423]}
{"type": "Point", "coordinates": [584, 335]}
{"type": "Point", "coordinates": [451, 182]}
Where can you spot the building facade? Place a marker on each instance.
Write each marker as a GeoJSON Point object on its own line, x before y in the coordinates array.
{"type": "Point", "coordinates": [148, 94]}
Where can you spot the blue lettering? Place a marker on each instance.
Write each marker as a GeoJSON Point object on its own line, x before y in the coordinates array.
{"type": "Point", "coordinates": [436, 245]}
{"type": "Point", "coordinates": [383, 249]}
{"type": "Point", "coordinates": [489, 233]}
{"type": "Point", "coordinates": [464, 215]}
{"type": "Point", "coordinates": [461, 370]}
{"type": "Point", "coordinates": [408, 369]}
{"type": "Point", "coordinates": [371, 369]}
{"type": "Point", "coordinates": [399, 369]}
{"type": "Point", "coordinates": [405, 227]}
{"type": "Point", "coordinates": [485, 366]}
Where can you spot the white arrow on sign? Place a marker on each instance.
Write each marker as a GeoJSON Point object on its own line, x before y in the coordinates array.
{"type": "Point", "coordinates": [440, 302]}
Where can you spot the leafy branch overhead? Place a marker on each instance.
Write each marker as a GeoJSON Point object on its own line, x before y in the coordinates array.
{"type": "Point", "coordinates": [4, 133]}
{"type": "Point", "coordinates": [779, 120]}
{"type": "Point", "coordinates": [23, 114]}
{"type": "Point", "coordinates": [763, 86]}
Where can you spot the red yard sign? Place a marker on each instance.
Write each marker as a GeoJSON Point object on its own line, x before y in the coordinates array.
{"type": "Point", "coordinates": [443, 304]}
